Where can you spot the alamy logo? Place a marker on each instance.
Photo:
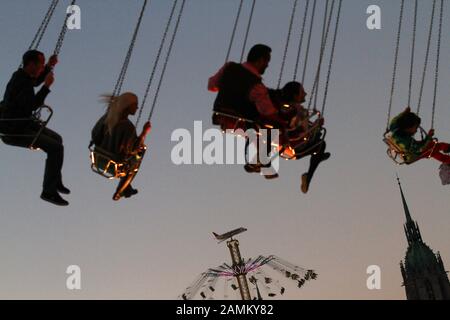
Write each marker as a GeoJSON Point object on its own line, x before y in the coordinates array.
{"type": "Point", "coordinates": [233, 147]}
{"type": "Point", "coordinates": [374, 280]}
{"type": "Point", "coordinates": [74, 17]}
{"type": "Point", "coordinates": [73, 281]}
{"type": "Point", "coordinates": [374, 20]}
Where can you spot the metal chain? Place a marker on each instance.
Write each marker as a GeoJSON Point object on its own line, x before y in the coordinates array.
{"type": "Point", "coordinates": [438, 55]}
{"type": "Point", "coordinates": [425, 66]}
{"type": "Point", "coordinates": [233, 33]}
{"type": "Point", "coordinates": [322, 48]}
{"type": "Point", "coordinates": [250, 19]}
{"type": "Point", "coordinates": [300, 44]}
{"type": "Point", "coordinates": [321, 56]}
{"type": "Point", "coordinates": [123, 71]}
{"type": "Point", "coordinates": [63, 32]}
{"type": "Point", "coordinates": [156, 63]}
{"type": "Point", "coordinates": [333, 47]}
{"type": "Point", "coordinates": [43, 27]}
{"type": "Point", "coordinates": [309, 40]}
{"type": "Point", "coordinates": [394, 72]}
{"type": "Point", "coordinates": [169, 51]}
{"type": "Point", "coordinates": [413, 50]}
{"type": "Point", "coordinates": [288, 39]}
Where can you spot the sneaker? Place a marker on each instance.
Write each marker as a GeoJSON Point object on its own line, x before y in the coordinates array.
{"type": "Point", "coordinates": [326, 156]}
{"type": "Point", "coordinates": [54, 198]}
{"type": "Point", "coordinates": [129, 192]}
{"type": "Point", "coordinates": [62, 189]}
{"type": "Point", "coordinates": [305, 183]}
{"type": "Point", "coordinates": [271, 176]}
{"type": "Point", "coordinates": [252, 168]}
{"type": "Point", "coordinates": [116, 196]}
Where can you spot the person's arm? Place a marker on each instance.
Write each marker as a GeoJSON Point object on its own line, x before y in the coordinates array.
{"type": "Point", "coordinates": [214, 81]}
{"type": "Point", "coordinates": [39, 80]}
{"type": "Point", "coordinates": [418, 147]}
{"type": "Point", "coordinates": [52, 61]}
{"type": "Point", "coordinates": [129, 138]}
{"type": "Point", "coordinates": [26, 100]}
{"type": "Point", "coordinates": [423, 145]}
{"type": "Point", "coordinates": [259, 95]}
{"type": "Point", "coordinates": [145, 131]}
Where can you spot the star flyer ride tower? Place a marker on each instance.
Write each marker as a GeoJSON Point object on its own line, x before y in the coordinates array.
{"type": "Point", "coordinates": [263, 270]}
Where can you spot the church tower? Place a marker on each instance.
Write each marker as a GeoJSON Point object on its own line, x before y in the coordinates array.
{"type": "Point", "coordinates": [424, 275]}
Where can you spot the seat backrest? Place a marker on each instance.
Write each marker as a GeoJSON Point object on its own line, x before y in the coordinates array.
{"type": "Point", "coordinates": [397, 153]}
{"type": "Point", "coordinates": [106, 154]}
{"type": "Point", "coordinates": [230, 122]}
{"type": "Point", "coordinates": [390, 141]}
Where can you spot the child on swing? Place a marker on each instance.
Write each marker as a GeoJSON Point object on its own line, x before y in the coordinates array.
{"type": "Point", "coordinates": [403, 128]}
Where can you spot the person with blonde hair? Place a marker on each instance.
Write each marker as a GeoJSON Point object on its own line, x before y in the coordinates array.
{"type": "Point", "coordinates": [115, 133]}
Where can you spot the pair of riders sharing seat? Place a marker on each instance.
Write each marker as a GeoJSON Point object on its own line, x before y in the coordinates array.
{"type": "Point", "coordinates": [241, 94]}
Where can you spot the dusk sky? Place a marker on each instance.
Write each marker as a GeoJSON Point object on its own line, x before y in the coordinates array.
{"type": "Point", "coordinates": [154, 245]}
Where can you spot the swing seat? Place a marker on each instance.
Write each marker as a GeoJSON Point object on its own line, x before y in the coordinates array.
{"type": "Point", "coordinates": [232, 121]}
{"type": "Point", "coordinates": [303, 143]}
{"type": "Point", "coordinates": [229, 122]}
{"type": "Point", "coordinates": [312, 144]}
{"type": "Point", "coordinates": [110, 166]}
{"type": "Point", "coordinates": [9, 136]}
{"type": "Point", "coordinates": [396, 153]}
{"type": "Point", "coordinates": [401, 156]}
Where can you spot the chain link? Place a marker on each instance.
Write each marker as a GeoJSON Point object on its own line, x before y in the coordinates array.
{"type": "Point", "coordinates": [394, 72]}
{"type": "Point", "coordinates": [250, 19]}
{"type": "Point", "coordinates": [300, 43]}
{"type": "Point", "coordinates": [333, 48]}
{"type": "Point", "coordinates": [427, 55]}
{"type": "Point", "coordinates": [123, 71]}
{"type": "Point", "coordinates": [308, 45]}
{"type": "Point", "coordinates": [321, 56]}
{"type": "Point", "coordinates": [322, 49]}
{"type": "Point", "coordinates": [438, 55]}
{"type": "Point", "coordinates": [233, 33]}
{"type": "Point", "coordinates": [63, 32]}
{"type": "Point", "coordinates": [155, 65]}
{"type": "Point", "coordinates": [413, 51]}
{"type": "Point", "coordinates": [43, 27]}
{"type": "Point", "coordinates": [169, 51]}
{"type": "Point", "coordinates": [288, 39]}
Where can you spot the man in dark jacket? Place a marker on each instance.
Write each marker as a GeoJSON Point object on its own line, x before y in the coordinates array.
{"type": "Point", "coordinates": [19, 102]}
{"type": "Point", "coordinates": [242, 93]}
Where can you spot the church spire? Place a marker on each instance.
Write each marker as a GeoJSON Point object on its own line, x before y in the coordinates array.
{"type": "Point", "coordinates": [405, 205]}
{"type": "Point", "coordinates": [423, 272]}
{"type": "Point", "coordinates": [411, 228]}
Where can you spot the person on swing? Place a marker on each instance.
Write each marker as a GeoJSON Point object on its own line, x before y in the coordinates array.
{"type": "Point", "coordinates": [239, 86]}
{"type": "Point", "coordinates": [115, 133]}
{"type": "Point", "coordinates": [403, 128]}
{"type": "Point", "coordinates": [19, 102]}
{"type": "Point", "coordinates": [291, 97]}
